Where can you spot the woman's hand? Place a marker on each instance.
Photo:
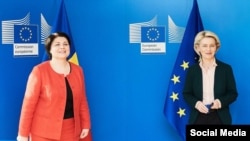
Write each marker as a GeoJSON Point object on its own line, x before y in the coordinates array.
{"type": "Point", "coordinates": [84, 133]}
{"type": "Point", "coordinates": [21, 138]}
{"type": "Point", "coordinates": [201, 107]}
{"type": "Point", "coordinates": [216, 104]}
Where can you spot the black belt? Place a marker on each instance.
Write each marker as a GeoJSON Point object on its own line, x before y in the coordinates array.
{"type": "Point", "coordinates": [212, 110]}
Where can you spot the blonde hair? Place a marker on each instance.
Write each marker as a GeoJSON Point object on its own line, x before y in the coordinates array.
{"type": "Point", "coordinates": [204, 34]}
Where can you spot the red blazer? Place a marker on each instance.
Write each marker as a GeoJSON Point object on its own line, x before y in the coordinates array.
{"type": "Point", "coordinates": [45, 99]}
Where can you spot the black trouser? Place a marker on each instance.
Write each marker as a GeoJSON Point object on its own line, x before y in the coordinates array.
{"type": "Point", "coordinates": [211, 118]}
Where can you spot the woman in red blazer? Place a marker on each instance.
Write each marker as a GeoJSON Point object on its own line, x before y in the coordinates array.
{"type": "Point", "coordinates": [55, 106]}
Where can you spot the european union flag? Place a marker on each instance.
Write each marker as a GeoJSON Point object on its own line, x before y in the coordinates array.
{"type": "Point", "coordinates": [175, 109]}
{"type": "Point", "coordinates": [25, 34]}
{"type": "Point", "coordinates": [153, 34]}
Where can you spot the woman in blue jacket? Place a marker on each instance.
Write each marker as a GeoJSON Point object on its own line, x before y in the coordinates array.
{"type": "Point", "coordinates": [210, 85]}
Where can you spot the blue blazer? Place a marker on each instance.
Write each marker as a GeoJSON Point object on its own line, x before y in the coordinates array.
{"type": "Point", "coordinates": [224, 89]}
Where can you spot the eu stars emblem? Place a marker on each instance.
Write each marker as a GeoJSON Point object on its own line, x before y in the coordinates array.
{"type": "Point", "coordinates": [25, 40]}
{"type": "Point", "coordinates": [25, 34]}
{"type": "Point", "coordinates": [153, 34]}
{"type": "Point", "coordinates": [153, 39]}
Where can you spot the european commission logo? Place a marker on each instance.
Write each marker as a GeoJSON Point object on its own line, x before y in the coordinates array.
{"type": "Point", "coordinates": [152, 34]}
{"type": "Point", "coordinates": [152, 37]}
{"type": "Point", "coordinates": [25, 36]}
{"type": "Point", "coordinates": [25, 40]}
{"type": "Point", "coordinates": [149, 35]}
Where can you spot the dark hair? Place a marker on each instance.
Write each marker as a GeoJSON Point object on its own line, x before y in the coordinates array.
{"type": "Point", "coordinates": [50, 40]}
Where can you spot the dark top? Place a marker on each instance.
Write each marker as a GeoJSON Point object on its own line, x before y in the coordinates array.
{"type": "Point", "coordinates": [224, 89]}
{"type": "Point", "coordinates": [69, 110]}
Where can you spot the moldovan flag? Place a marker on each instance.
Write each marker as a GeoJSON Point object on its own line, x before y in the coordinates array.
{"type": "Point", "coordinates": [62, 24]}
{"type": "Point", "coordinates": [176, 109]}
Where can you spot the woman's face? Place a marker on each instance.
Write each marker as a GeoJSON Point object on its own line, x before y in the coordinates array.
{"type": "Point", "coordinates": [207, 48]}
{"type": "Point", "coordinates": [60, 48]}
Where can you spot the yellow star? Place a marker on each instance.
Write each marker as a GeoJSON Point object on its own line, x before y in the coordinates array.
{"type": "Point", "coordinates": [174, 96]}
{"type": "Point", "coordinates": [185, 65]}
{"type": "Point", "coordinates": [181, 112]}
{"type": "Point", "coordinates": [175, 79]}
